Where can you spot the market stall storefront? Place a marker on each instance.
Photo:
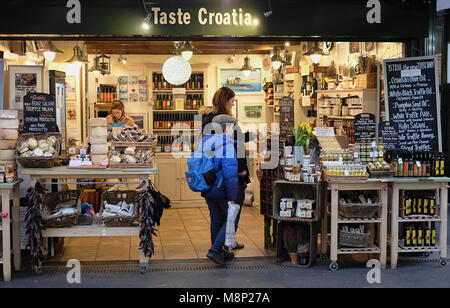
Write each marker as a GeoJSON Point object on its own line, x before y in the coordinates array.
{"type": "Point", "coordinates": [284, 69]}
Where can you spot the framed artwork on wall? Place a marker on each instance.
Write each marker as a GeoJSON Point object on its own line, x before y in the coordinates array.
{"type": "Point", "coordinates": [354, 47]}
{"type": "Point", "coordinates": [252, 112]}
{"type": "Point", "coordinates": [140, 119]}
{"type": "Point", "coordinates": [23, 79]}
{"type": "Point", "coordinates": [236, 81]}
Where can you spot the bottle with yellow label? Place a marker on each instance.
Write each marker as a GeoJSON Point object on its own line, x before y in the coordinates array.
{"type": "Point", "coordinates": [427, 236]}
{"type": "Point", "coordinates": [420, 236]}
{"type": "Point", "coordinates": [414, 237]}
{"type": "Point", "coordinates": [433, 235]}
{"type": "Point", "coordinates": [433, 205]}
{"type": "Point", "coordinates": [408, 237]}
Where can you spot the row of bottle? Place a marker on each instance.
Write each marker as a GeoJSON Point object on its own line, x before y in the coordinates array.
{"type": "Point", "coordinates": [417, 164]}
{"type": "Point", "coordinates": [419, 203]}
{"type": "Point", "coordinates": [193, 102]}
{"type": "Point", "coordinates": [420, 235]}
{"type": "Point", "coordinates": [168, 121]}
{"type": "Point", "coordinates": [195, 82]}
{"type": "Point", "coordinates": [310, 88]}
{"type": "Point", "coordinates": [106, 94]}
{"type": "Point", "coordinates": [164, 102]}
{"type": "Point", "coordinates": [167, 144]}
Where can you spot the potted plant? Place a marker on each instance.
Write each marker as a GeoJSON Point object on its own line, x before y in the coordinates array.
{"type": "Point", "coordinates": [291, 238]}
{"type": "Point", "coordinates": [302, 135]}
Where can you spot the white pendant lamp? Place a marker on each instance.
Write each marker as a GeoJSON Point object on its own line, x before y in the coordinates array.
{"type": "Point", "coordinates": [277, 60]}
{"type": "Point", "coordinates": [247, 69]}
{"type": "Point", "coordinates": [176, 70]}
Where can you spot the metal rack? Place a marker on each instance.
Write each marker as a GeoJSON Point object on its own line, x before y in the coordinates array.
{"type": "Point", "coordinates": [439, 185]}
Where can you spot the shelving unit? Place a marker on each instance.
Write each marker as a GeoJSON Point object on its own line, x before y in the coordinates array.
{"type": "Point", "coordinates": [336, 220]}
{"type": "Point", "coordinates": [440, 185]}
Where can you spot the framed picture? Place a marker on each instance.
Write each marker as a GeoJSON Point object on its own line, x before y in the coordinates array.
{"type": "Point", "coordinates": [23, 79]}
{"type": "Point", "coordinates": [369, 46]}
{"type": "Point", "coordinates": [71, 88]}
{"type": "Point", "coordinates": [354, 47]}
{"type": "Point", "coordinates": [252, 112]}
{"type": "Point", "coordinates": [235, 80]}
{"type": "Point", "coordinates": [140, 119]}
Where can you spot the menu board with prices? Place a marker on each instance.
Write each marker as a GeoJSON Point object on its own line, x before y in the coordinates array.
{"type": "Point", "coordinates": [39, 113]}
{"type": "Point", "coordinates": [286, 119]}
{"type": "Point", "coordinates": [365, 126]}
{"type": "Point", "coordinates": [412, 101]}
{"type": "Point", "coordinates": [388, 133]}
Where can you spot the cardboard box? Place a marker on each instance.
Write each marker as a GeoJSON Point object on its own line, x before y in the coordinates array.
{"type": "Point", "coordinates": [96, 159]}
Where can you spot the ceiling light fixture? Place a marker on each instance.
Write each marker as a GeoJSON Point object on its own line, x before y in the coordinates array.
{"type": "Point", "coordinates": [177, 70]}
{"type": "Point", "coordinates": [146, 22]}
{"type": "Point", "coordinates": [247, 69]}
{"type": "Point", "coordinates": [187, 51]}
{"type": "Point", "coordinates": [122, 59]}
{"type": "Point", "coordinates": [315, 54]}
{"type": "Point", "coordinates": [78, 56]}
{"type": "Point", "coordinates": [50, 51]}
{"type": "Point", "coordinates": [96, 68]}
{"type": "Point", "coordinates": [277, 60]}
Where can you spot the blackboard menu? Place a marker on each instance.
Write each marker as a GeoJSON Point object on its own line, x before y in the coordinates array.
{"type": "Point", "coordinates": [39, 113]}
{"type": "Point", "coordinates": [286, 119]}
{"type": "Point", "coordinates": [412, 101]}
{"type": "Point", "coordinates": [388, 132]}
{"type": "Point", "coordinates": [365, 126]}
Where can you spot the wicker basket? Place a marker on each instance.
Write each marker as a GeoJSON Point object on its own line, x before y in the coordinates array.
{"type": "Point", "coordinates": [38, 162]}
{"type": "Point", "coordinates": [49, 203]}
{"type": "Point", "coordinates": [357, 240]}
{"type": "Point", "coordinates": [115, 197]}
{"type": "Point", "coordinates": [359, 210]}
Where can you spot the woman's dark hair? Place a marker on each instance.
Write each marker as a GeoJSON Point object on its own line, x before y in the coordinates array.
{"type": "Point", "coordinates": [119, 106]}
{"type": "Point", "coordinates": [221, 98]}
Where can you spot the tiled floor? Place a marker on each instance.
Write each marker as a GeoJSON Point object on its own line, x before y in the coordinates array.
{"type": "Point", "coordinates": [184, 234]}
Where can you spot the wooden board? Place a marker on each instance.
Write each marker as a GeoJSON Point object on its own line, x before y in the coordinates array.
{"type": "Point", "coordinates": [7, 155]}
{"type": "Point", "coordinates": [9, 134]}
{"type": "Point", "coordinates": [8, 144]}
{"type": "Point", "coordinates": [9, 123]}
{"type": "Point", "coordinates": [9, 114]}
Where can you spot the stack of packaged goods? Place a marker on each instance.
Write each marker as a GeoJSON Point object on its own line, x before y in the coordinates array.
{"type": "Point", "coordinates": [98, 140]}
{"type": "Point", "coordinates": [9, 132]}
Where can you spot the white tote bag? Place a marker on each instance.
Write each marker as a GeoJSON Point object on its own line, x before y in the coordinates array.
{"type": "Point", "coordinates": [230, 235]}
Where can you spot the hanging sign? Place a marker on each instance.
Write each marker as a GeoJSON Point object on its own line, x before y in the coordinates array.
{"type": "Point", "coordinates": [365, 126]}
{"type": "Point", "coordinates": [286, 119]}
{"type": "Point", "coordinates": [388, 132]}
{"type": "Point", "coordinates": [39, 113]}
{"type": "Point", "coordinates": [412, 101]}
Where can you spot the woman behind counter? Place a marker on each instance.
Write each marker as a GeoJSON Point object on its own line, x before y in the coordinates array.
{"type": "Point", "coordinates": [117, 116]}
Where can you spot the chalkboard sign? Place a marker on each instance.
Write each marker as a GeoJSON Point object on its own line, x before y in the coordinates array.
{"type": "Point", "coordinates": [365, 126]}
{"type": "Point", "coordinates": [388, 132]}
{"type": "Point", "coordinates": [412, 101]}
{"type": "Point", "coordinates": [39, 113]}
{"type": "Point", "coordinates": [286, 119]}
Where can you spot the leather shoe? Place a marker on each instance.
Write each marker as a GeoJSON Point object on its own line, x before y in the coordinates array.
{"type": "Point", "coordinates": [216, 256]}
{"type": "Point", "coordinates": [228, 256]}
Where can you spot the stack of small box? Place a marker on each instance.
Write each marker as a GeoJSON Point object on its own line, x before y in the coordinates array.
{"type": "Point", "coordinates": [9, 132]}
{"type": "Point", "coordinates": [98, 140]}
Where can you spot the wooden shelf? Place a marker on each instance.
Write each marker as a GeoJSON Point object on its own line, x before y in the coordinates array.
{"type": "Point", "coordinates": [409, 220]}
{"type": "Point", "coordinates": [348, 251]}
{"type": "Point", "coordinates": [358, 221]}
{"type": "Point", "coordinates": [418, 249]}
{"type": "Point", "coordinates": [338, 117]}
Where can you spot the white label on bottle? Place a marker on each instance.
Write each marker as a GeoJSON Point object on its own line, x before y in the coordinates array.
{"type": "Point", "coordinates": [380, 154]}
{"type": "Point", "coordinates": [356, 155]}
{"type": "Point", "coordinates": [371, 154]}
{"type": "Point", "coordinates": [400, 161]}
{"type": "Point", "coordinates": [374, 144]}
{"type": "Point", "coordinates": [375, 154]}
{"type": "Point", "coordinates": [341, 160]}
{"type": "Point", "coordinates": [346, 172]}
{"type": "Point", "coordinates": [418, 164]}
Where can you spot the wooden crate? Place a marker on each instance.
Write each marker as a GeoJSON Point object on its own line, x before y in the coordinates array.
{"type": "Point", "coordinates": [366, 81]}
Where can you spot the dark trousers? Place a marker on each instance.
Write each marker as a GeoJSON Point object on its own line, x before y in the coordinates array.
{"type": "Point", "coordinates": [218, 210]}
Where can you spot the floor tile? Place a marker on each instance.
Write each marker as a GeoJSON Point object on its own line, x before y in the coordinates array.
{"type": "Point", "coordinates": [248, 253]}
{"type": "Point", "coordinates": [184, 255]}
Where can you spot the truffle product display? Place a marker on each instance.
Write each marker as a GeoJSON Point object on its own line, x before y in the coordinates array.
{"type": "Point", "coordinates": [33, 148]}
{"type": "Point", "coordinates": [99, 160]}
{"type": "Point", "coordinates": [99, 131]}
{"type": "Point", "coordinates": [131, 134]}
{"type": "Point", "coordinates": [140, 157]}
{"type": "Point", "coordinates": [99, 149]}
{"type": "Point", "coordinates": [121, 209]}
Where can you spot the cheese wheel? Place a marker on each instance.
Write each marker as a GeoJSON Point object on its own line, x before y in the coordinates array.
{"type": "Point", "coordinates": [99, 131]}
{"type": "Point", "coordinates": [96, 159]}
{"type": "Point", "coordinates": [9, 114]}
{"type": "Point", "coordinates": [8, 144]}
{"type": "Point", "coordinates": [9, 134]}
{"type": "Point", "coordinates": [9, 123]}
{"type": "Point", "coordinates": [97, 122]}
{"type": "Point", "coordinates": [99, 149]}
{"type": "Point", "coordinates": [7, 154]}
{"type": "Point", "coordinates": [98, 140]}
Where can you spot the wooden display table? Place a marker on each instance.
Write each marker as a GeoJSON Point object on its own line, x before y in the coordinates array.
{"type": "Point", "coordinates": [5, 190]}
{"type": "Point", "coordinates": [439, 184]}
{"type": "Point", "coordinates": [370, 184]}
{"type": "Point", "coordinates": [38, 174]}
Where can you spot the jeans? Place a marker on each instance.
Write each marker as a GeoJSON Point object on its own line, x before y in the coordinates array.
{"type": "Point", "coordinates": [218, 210]}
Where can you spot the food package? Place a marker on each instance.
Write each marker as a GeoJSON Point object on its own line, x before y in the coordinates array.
{"type": "Point", "coordinates": [38, 152]}
{"type": "Point", "coordinates": [9, 134]}
{"type": "Point", "coordinates": [97, 122]}
{"type": "Point", "coordinates": [32, 143]}
{"type": "Point", "coordinates": [116, 159]}
{"type": "Point", "coordinates": [8, 144]}
{"type": "Point", "coordinates": [99, 149]}
{"type": "Point", "coordinates": [99, 131]}
{"type": "Point", "coordinates": [131, 134]}
{"type": "Point", "coordinates": [130, 151]}
{"type": "Point", "coordinates": [9, 123]}
{"type": "Point", "coordinates": [51, 141]}
{"type": "Point", "coordinates": [97, 159]}
{"type": "Point", "coordinates": [7, 154]}
{"type": "Point", "coordinates": [98, 140]}
{"type": "Point", "coordinates": [44, 147]}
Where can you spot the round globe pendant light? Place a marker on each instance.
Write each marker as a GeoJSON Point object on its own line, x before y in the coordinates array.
{"type": "Point", "coordinates": [176, 70]}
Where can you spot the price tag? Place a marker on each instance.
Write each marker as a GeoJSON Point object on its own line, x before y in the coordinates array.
{"type": "Point", "coordinates": [418, 164]}
{"type": "Point", "coordinates": [400, 161]}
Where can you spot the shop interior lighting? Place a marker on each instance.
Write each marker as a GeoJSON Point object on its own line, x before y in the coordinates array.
{"type": "Point", "coordinates": [287, 44]}
{"type": "Point", "coordinates": [315, 53]}
{"type": "Point", "coordinates": [50, 51]}
{"type": "Point", "coordinates": [247, 69]}
{"type": "Point", "coordinates": [123, 60]}
{"type": "Point", "coordinates": [268, 10]}
{"type": "Point", "coordinates": [277, 60]}
{"type": "Point", "coordinates": [105, 64]}
{"type": "Point", "coordinates": [146, 22]}
{"type": "Point", "coordinates": [177, 70]}
{"type": "Point", "coordinates": [187, 51]}
{"type": "Point", "coordinates": [96, 68]}
{"type": "Point", "coordinates": [78, 56]}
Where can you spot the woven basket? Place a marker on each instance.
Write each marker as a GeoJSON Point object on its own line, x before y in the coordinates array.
{"type": "Point", "coordinates": [359, 210]}
{"type": "Point", "coordinates": [38, 162]}
{"type": "Point", "coordinates": [49, 203]}
{"type": "Point", "coordinates": [115, 197]}
{"type": "Point", "coordinates": [357, 240]}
